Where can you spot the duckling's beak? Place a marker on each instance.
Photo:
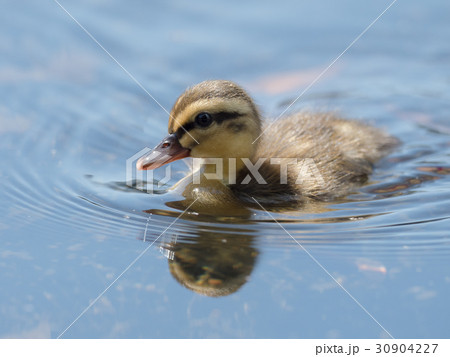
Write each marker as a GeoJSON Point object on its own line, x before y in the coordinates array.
{"type": "Point", "coordinates": [166, 151]}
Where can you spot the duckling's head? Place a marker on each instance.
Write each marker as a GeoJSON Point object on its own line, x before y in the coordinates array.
{"type": "Point", "coordinates": [213, 119]}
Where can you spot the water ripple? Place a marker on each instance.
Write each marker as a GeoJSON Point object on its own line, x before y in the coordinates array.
{"type": "Point", "coordinates": [73, 177]}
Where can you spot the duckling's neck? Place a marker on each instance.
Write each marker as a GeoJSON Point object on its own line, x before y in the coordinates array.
{"type": "Point", "coordinates": [225, 170]}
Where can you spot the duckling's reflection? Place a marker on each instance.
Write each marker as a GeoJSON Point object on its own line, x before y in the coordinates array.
{"type": "Point", "coordinates": [211, 263]}
{"type": "Point", "coordinates": [210, 198]}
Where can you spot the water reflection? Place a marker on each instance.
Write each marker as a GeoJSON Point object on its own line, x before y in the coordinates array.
{"type": "Point", "coordinates": [403, 185]}
{"type": "Point", "coordinates": [213, 199]}
{"type": "Point", "coordinates": [211, 263]}
{"type": "Point", "coordinates": [209, 197]}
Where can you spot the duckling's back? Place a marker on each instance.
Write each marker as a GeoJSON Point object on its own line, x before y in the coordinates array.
{"type": "Point", "coordinates": [318, 156]}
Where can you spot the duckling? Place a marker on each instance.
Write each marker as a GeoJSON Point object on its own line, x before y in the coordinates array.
{"type": "Point", "coordinates": [300, 157]}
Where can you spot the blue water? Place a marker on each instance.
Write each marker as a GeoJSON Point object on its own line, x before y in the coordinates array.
{"type": "Point", "coordinates": [371, 265]}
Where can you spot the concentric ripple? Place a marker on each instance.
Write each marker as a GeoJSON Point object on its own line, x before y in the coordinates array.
{"type": "Point", "coordinates": [73, 178]}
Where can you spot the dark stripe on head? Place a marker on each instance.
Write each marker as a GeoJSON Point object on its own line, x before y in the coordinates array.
{"type": "Point", "coordinates": [217, 117]}
{"type": "Point", "coordinates": [184, 129]}
{"type": "Point", "coordinates": [221, 116]}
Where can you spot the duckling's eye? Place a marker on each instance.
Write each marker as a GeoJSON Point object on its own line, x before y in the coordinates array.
{"type": "Point", "coordinates": [203, 119]}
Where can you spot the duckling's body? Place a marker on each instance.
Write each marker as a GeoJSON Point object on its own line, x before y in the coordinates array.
{"type": "Point", "coordinates": [332, 156]}
{"type": "Point", "coordinates": [297, 158]}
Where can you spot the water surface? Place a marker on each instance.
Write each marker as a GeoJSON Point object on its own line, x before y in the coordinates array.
{"type": "Point", "coordinates": [70, 117]}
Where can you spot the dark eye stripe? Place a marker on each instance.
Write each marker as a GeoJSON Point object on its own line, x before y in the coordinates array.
{"type": "Point", "coordinates": [221, 116]}
{"type": "Point", "coordinates": [217, 117]}
{"type": "Point", "coordinates": [183, 129]}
